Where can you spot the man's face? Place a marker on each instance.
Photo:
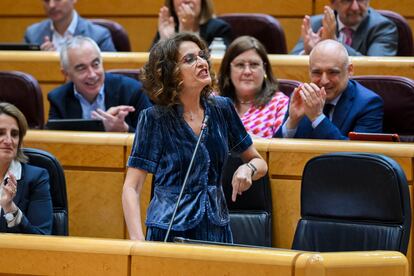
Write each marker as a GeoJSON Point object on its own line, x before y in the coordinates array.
{"type": "Point", "coordinates": [86, 71]}
{"type": "Point", "coordinates": [58, 10]}
{"type": "Point", "coordinates": [330, 70]}
{"type": "Point", "coordinates": [351, 12]}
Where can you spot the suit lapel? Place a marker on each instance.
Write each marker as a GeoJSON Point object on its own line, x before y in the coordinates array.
{"type": "Point", "coordinates": [73, 107]}
{"type": "Point", "coordinates": [111, 91]}
{"type": "Point", "coordinates": [80, 27]}
{"type": "Point", "coordinates": [359, 36]}
{"type": "Point", "coordinates": [46, 32]}
{"type": "Point", "coordinates": [343, 106]}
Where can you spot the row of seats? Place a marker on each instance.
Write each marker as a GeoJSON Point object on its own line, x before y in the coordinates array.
{"type": "Point", "coordinates": [349, 202]}
{"type": "Point", "coordinates": [266, 29]}
{"type": "Point", "coordinates": [23, 90]}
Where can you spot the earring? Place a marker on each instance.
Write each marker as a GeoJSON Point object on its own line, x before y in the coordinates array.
{"type": "Point", "coordinates": [265, 76]}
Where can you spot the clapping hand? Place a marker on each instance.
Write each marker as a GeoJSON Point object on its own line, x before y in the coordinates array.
{"type": "Point", "coordinates": [187, 18]}
{"type": "Point", "coordinates": [166, 25]}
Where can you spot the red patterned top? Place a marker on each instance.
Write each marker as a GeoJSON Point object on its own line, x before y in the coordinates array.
{"type": "Point", "coordinates": [265, 121]}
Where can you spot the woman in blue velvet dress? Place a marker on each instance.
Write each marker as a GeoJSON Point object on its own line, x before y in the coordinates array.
{"type": "Point", "coordinates": [178, 80]}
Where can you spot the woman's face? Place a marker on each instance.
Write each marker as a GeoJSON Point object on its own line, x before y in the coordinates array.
{"type": "Point", "coordinates": [247, 73]}
{"type": "Point", "coordinates": [9, 138]}
{"type": "Point", "coordinates": [194, 5]}
{"type": "Point", "coordinates": [193, 65]}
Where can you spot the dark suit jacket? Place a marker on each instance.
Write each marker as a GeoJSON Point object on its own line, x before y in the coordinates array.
{"type": "Point", "coordinates": [213, 28]}
{"type": "Point", "coordinates": [36, 33]}
{"type": "Point", "coordinates": [359, 109]}
{"type": "Point", "coordinates": [34, 200]}
{"type": "Point", "coordinates": [119, 90]}
{"type": "Point", "coordinates": [375, 36]}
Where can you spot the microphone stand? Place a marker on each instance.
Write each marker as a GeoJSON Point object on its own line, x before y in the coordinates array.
{"type": "Point", "coordinates": [203, 127]}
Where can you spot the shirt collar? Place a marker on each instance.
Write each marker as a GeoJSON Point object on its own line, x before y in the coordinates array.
{"type": "Point", "coordinates": [72, 26]}
{"type": "Point", "coordinates": [335, 101]}
{"type": "Point", "coordinates": [80, 97]}
{"type": "Point", "coordinates": [16, 169]}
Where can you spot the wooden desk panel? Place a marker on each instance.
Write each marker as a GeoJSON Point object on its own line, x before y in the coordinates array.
{"type": "Point", "coordinates": [42, 255]}
{"type": "Point", "coordinates": [154, 258]}
{"type": "Point", "coordinates": [94, 200]}
{"type": "Point", "coordinates": [367, 263]}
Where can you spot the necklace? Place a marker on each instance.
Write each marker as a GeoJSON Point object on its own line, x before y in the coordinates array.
{"type": "Point", "coordinates": [190, 115]}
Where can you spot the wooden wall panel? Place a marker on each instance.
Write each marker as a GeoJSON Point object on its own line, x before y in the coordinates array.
{"type": "Point", "coordinates": [403, 7]}
{"type": "Point", "coordinates": [286, 210]}
{"type": "Point", "coordinates": [291, 27]}
{"type": "Point", "coordinates": [95, 208]}
{"type": "Point", "coordinates": [278, 8]}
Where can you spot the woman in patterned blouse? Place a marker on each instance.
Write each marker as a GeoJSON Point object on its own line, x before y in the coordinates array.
{"type": "Point", "coordinates": [246, 77]}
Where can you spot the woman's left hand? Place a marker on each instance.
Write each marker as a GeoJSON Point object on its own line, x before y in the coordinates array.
{"type": "Point", "coordinates": [9, 192]}
{"type": "Point", "coordinates": [242, 181]}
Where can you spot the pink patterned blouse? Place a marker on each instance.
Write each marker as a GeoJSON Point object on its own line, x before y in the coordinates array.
{"type": "Point", "coordinates": [265, 121]}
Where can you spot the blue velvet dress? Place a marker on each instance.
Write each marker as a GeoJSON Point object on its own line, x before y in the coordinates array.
{"type": "Point", "coordinates": [163, 146]}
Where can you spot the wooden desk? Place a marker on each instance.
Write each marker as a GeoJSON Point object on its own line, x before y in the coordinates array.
{"type": "Point", "coordinates": [94, 165]}
{"type": "Point", "coordinates": [47, 255]}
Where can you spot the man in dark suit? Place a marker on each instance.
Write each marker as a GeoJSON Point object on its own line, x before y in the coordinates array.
{"type": "Point", "coordinates": [361, 29]}
{"type": "Point", "coordinates": [64, 23]}
{"type": "Point", "coordinates": [114, 99]}
{"type": "Point", "coordinates": [331, 105]}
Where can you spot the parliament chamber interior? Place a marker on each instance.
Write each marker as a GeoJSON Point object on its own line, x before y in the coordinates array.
{"type": "Point", "coordinates": [94, 239]}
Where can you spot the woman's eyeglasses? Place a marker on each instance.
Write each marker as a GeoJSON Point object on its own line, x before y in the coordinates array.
{"type": "Point", "coordinates": [192, 58]}
{"type": "Point", "coordinates": [241, 66]}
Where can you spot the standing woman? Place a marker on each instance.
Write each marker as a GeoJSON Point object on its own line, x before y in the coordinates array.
{"type": "Point", "coordinates": [195, 16]}
{"type": "Point", "coordinates": [179, 81]}
{"type": "Point", "coordinates": [25, 201]}
{"type": "Point", "coordinates": [246, 77]}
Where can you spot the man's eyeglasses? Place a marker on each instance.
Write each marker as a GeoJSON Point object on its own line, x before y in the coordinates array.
{"type": "Point", "coordinates": [350, 2]}
{"type": "Point", "coordinates": [241, 66]}
{"type": "Point", "coordinates": [192, 58]}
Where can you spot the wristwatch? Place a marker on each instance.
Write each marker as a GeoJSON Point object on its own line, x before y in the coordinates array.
{"type": "Point", "coordinates": [11, 216]}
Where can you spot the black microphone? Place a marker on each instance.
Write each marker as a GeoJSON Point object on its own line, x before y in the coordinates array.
{"type": "Point", "coordinates": [203, 127]}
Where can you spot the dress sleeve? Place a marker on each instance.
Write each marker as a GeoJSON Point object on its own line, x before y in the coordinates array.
{"type": "Point", "coordinates": [147, 147]}
{"type": "Point", "coordinates": [239, 139]}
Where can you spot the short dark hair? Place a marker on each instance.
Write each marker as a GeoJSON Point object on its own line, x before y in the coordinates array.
{"type": "Point", "coordinates": [161, 74]}
{"type": "Point", "coordinates": [12, 111]}
{"type": "Point", "coordinates": [237, 47]}
{"type": "Point", "coordinates": [206, 10]}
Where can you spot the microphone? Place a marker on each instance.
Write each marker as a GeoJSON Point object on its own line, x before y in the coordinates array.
{"type": "Point", "coordinates": [203, 127]}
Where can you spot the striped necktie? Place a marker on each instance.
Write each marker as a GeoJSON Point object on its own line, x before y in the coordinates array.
{"type": "Point", "coordinates": [347, 32]}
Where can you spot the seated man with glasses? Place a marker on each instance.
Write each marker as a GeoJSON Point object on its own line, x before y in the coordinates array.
{"type": "Point", "coordinates": [331, 105]}
{"type": "Point", "coordinates": [361, 29]}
